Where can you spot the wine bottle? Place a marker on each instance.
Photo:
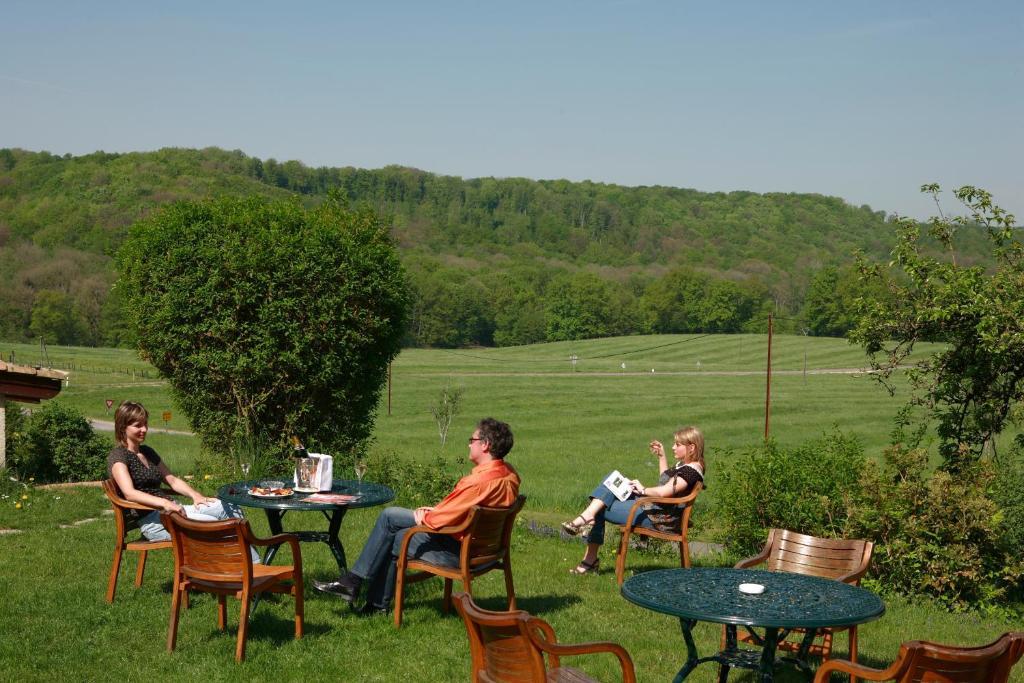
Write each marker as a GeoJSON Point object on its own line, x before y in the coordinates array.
{"type": "Point", "coordinates": [298, 450]}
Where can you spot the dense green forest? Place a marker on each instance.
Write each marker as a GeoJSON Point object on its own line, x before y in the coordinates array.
{"type": "Point", "coordinates": [490, 261]}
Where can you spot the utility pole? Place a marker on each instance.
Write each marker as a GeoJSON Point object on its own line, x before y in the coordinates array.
{"type": "Point", "coordinates": [768, 381]}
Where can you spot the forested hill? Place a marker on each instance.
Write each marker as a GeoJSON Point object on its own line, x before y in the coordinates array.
{"type": "Point", "coordinates": [506, 245]}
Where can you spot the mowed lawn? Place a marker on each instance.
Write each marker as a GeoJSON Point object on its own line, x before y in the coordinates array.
{"type": "Point", "coordinates": [571, 428]}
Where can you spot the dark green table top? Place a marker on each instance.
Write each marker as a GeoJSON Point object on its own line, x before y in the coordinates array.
{"type": "Point", "coordinates": [370, 494]}
{"type": "Point", "coordinates": [788, 601]}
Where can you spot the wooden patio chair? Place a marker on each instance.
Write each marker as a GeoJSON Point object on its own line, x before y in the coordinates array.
{"type": "Point", "coordinates": [676, 530]}
{"type": "Point", "coordinates": [514, 647]}
{"type": "Point", "coordinates": [923, 661]}
{"type": "Point", "coordinates": [126, 522]}
{"type": "Point", "coordinates": [486, 535]}
{"type": "Point", "coordinates": [215, 557]}
{"type": "Point", "coordinates": [832, 558]}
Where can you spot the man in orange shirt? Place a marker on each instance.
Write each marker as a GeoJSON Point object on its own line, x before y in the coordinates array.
{"type": "Point", "coordinates": [491, 483]}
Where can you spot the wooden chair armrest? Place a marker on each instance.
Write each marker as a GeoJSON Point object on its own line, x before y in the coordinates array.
{"type": "Point", "coordinates": [562, 650]}
{"type": "Point", "coordinates": [423, 528]}
{"type": "Point", "coordinates": [753, 559]}
{"type": "Point", "coordinates": [291, 539]}
{"type": "Point", "coordinates": [858, 670]}
{"type": "Point", "coordinates": [854, 576]}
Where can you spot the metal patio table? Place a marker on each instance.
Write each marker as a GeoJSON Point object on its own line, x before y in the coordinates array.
{"type": "Point", "coordinates": [789, 601]}
{"type": "Point", "coordinates": [370, 495]}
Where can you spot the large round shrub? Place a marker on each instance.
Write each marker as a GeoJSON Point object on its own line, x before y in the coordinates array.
{"type": "Point", "coordinates": [59, 444]}
{"type": "Point", "coordinates": [267, 318]}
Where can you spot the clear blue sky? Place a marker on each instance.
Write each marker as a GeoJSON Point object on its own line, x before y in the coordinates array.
{"type": "Point", "coordinates": [864, 100]}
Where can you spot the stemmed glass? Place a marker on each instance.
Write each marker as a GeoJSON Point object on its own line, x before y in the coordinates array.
{"type": "Point", "coordinates": [360, 471]}
{"type": "Point", "coordinates": [245, 465]}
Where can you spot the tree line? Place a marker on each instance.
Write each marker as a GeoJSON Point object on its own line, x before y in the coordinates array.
{"type": "Point", "coordinates": [491, 260]}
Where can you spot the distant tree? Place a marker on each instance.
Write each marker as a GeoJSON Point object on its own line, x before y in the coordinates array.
{"type": "Point", "coordinates": [973, 383]}
{"type": "Point", "coordinates": [266, 317]}
{"type": "Point", "coordinates": [578, 307]}
{"type": "Point", "coordinates": [54, 318]}
{"type": "Point", "coordinates": [671, 304]}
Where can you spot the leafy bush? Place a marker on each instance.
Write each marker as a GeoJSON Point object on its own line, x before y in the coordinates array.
{"type": "Point", "coordinates": [806, 489]}
{"type": "Point", "coordinates": [416, 483]}
{"type": "Point", "coordinates": [267, 316]}
{"type": "Point", "coordinates": [58, 444]}
{"type": "Point", "coordinates": [939, 535]}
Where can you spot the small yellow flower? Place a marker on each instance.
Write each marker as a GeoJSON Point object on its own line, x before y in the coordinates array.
{"type": "Point", "coordinates": [207, 476]}
{"type": "Point", "coordinates": [17, 506]}
{"type": "Point", "coordinates": [31, 478]}
{"type": "Point", "coordinates": [24, 496]}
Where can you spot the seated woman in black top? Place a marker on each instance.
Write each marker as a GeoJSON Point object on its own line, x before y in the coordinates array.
{"type": "Point", "coordinates": [688, 450]}
{"type": "Point", "coordinates": [139, 473]}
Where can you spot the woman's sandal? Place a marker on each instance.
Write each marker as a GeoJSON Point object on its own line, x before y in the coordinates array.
{"type": "Point", "coordinates": [574, 529]}
{"type": "Point", "coordinates": [586, 567]}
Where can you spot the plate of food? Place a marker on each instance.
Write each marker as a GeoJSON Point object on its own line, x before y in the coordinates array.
{"type": "Point", "coordinates": [270, 492]}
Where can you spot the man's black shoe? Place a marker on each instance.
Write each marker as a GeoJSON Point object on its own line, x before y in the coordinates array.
{"type": "Point", "coordinates": [369, 610]}
{"type": "Point", "coordinates": [346, 586]}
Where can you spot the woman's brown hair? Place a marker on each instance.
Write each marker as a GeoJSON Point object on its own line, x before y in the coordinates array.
{"type": "Point", "coordinates": [128, 413]}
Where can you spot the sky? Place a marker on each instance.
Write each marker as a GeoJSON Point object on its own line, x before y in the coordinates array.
{"type": "Point", "coordinates": [863, 100]}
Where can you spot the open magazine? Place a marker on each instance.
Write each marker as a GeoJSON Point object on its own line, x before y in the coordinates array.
{"type": "Point", "coordinates": [619, 484]}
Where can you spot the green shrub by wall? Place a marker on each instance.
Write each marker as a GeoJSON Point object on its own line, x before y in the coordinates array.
{"type": "Point", "coordinates": [58, 444]}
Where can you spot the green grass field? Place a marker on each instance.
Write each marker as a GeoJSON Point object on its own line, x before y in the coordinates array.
{"type": "Point", "coordinates": [571, 428]}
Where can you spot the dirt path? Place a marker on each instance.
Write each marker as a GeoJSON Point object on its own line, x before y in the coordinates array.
{"type": "Point", "coordinates": [104, 426]}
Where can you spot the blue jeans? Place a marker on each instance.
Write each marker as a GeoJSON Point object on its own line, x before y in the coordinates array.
{"type": "Point", "coordinates": [615, 511]}
{"type": "Point", "coordinates": [218, 510]}
{"type": "Point", "coordinates": [377, 561]}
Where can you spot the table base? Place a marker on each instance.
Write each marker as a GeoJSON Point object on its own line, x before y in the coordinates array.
{"type": "Point", "coordinates": [330, 537]}
{"type": "Point", "coordinates": [732, 656]}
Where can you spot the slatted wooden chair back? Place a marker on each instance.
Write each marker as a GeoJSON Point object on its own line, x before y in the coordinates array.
{"type": "Point", "coordinates": [215, 552]}
{"type": "Point", "coordinates": [515, 647]}
{"type": "Point", "coordinates": [499, 651]}
{"type": "Point", "coordinates": [923, 661]}
{"type": "Point", "coordinates": [215, 557]}
{"type": "Point", "coordinates": [486, 539]}
{"type": "Point", "coordinates": [124, 523]}
{"type": "Point", "coordinates": [676, 532]}
{"type": "Point", "coordinates": [490, 534]}
{"type": "Point", "coordinates": [832, 558]}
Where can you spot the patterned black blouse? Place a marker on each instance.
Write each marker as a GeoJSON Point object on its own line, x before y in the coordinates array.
{"type": "Point", "coordinates": [145, 479]}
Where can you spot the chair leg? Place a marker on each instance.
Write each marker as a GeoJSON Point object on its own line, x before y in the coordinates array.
{"type": "Point", "coordinates": [172, 631]}
{"type": "Point", "coordinates": [684, 554]}
{"type": "Point", "coordinates": [243, 628]}
{"type": "Point", "coordinates": [114, 569]}
{"type": "Point", "coordinates": [853, 650]}
{"type": "Point", "coordinates": [620, 558]}
{"type": "Point", "coordinates": [510, 589]}
{"type": "Point", "coordinates": [141, 570]}
{"type": "Point", "coordinates": [222, 612]}
{"type": "Point", "coordinates": [300, 608]}
{"type": "Point", "coordinates": [399, 594]}
{"type": "Point", "coordinates": [446, 606]}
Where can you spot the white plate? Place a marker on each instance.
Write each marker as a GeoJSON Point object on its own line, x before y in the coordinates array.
{"type": "Point", "coordinates": [269, 495]}
{"type": "Point", "coordinates": [751, 588]}
{"type": "Point", "coordinates": [299, 489]}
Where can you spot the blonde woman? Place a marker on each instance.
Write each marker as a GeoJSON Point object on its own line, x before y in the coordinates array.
{"type": "Point", "coordinates": [687, 470]}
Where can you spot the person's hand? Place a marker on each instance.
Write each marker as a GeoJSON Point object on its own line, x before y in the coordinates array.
{"type": "Point", "coordinates": [420, 513]}
{"type": "Point", "coordinates": [203, 500]}
{"type": "Point", "coordinates": [172, 506]}
{"type": "Point", "coordinates": [657, 449]}
{"type": "Point", "coordinates": [638, 487]}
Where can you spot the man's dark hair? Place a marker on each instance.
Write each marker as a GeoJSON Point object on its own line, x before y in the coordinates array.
{"type": "Point", "coordinates": [497, 434]}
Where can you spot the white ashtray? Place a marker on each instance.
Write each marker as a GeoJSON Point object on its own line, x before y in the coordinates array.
{"type": "Point", "coordinates": [751, 588]}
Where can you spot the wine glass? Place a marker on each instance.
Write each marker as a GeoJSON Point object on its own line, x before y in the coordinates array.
{"type": "Point", "coordinates": [245, 465]}
{"type": "Point", "coordinates": [360, 471]}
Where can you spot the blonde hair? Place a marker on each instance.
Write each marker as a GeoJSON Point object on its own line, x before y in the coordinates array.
{"type": "Point", "coordinates": [128, 413]}
{"type": "Point", "coordinates": [688, 435]}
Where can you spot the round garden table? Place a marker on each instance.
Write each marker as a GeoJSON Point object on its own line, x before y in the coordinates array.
{"type": "Point", "coordinates": [369, 495]}
{"type": "Point", "coordinates": [789, 601]}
